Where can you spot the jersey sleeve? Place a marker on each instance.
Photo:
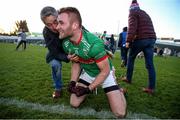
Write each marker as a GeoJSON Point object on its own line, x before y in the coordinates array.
{"type": "Point", "coordinates": [65, 45]}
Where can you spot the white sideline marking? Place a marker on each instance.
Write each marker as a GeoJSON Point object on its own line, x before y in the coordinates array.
{"type": "Point", "coordinates": [61, 109]}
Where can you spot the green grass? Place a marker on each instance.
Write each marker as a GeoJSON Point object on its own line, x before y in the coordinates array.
{"type": "Point", "coordinates": [24, 75]}
{"type": "Point", "coordinates": [9, 112]}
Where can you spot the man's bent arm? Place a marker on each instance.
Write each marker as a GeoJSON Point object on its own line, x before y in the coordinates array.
{"type": "Point", "coordinates": [104, 72]}
{"type": "Point", "coordinates": [75, 71]}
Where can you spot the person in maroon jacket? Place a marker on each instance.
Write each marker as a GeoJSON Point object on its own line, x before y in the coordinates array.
{"type": "Point", "coordinates": [140, 37]}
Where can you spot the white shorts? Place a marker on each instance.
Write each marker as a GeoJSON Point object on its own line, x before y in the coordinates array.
{"type": "Point", "coordinates": [109, 81]}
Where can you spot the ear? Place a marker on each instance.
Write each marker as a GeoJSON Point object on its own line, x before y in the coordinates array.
{"type": "Point", "coordinates": [75, 25]}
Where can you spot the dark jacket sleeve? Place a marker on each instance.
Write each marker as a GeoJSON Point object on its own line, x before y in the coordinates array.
{"type": "Point", "coordinates": [120, 40]}
{"type": "Point", "coordinates": [55, 48]}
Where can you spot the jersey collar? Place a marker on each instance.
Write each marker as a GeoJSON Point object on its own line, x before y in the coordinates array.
{"type": "Point", "coordinates": [80, 38]}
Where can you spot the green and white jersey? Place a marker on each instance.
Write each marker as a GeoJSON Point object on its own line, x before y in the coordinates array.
{"type": "Point", "coordinates": [90, 49]}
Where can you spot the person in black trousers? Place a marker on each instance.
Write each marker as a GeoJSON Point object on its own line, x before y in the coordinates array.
{"type": "Point", "coordinates": [22, 36]}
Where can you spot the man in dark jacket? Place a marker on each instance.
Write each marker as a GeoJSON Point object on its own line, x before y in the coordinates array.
{"type": "Point", "coordinates": [112, 44]}
{"type": "Point", "coordinates": [55, 53]}
{"type": "Point", "coordinates": [122, 45]}
{"type": "Point", "coordinates": [140, 37]}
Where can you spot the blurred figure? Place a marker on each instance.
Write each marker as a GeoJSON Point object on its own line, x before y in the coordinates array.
{"type": "Point", "coordinates": [160, 52]}
{"type": "Point", "coordinates": [112, 44]}
{"type": "Point", "coordinates": [140, 37]}
{"type": "Point", "coordinates": [167, 52]}
{"type": "Point", "coordinates": [21, 39]}
{"type": "Point", "coordinates": [105, 40]}
{"type": "Point", "coordinates": [122, 45]}
{"type": "Point", "coordinates": [103, 37]}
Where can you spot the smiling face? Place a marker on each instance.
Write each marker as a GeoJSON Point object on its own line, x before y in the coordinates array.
{"type": "Point", "coordinates": [65, 26]}
{"type": "Point", "coordinates": [51, 23]}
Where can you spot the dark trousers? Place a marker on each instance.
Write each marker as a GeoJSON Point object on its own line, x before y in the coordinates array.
{"type": "Point", "coordinates": [124, 52]}
{"type": "Point", "coordinates": [113, 48]}
{"type": "Point", "coordinates": [21, 43]}
{"type": "Point", "coordinates": [147, 46]}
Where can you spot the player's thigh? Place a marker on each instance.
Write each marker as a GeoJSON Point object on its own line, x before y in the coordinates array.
{"type": "Point", "coordinates": [116, 100]}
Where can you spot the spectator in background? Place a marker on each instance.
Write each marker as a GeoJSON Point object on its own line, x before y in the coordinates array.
{"type": "Point", "coordinates": [140, 37]}
{"type": "Point", "coordinates": [122, 45]}
{"type": "Point", "coordinates": [21, 39]}
{"type": "Point", "coordinates": [107, 44]}
{"type": "Point", "coordinates": [103, 37]}
{"type": "Point", "coordinates": [160, 53]}
{"type": "Point", "coordinates": [112, 44]}
{"type": "Point", "coordinates": [106, 41]}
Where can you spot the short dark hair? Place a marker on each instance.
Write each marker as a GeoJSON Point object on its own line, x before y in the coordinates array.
{"type": "Point", "coordinates": [72, 12]}
{"type": "Point", "coordinates": [47, 11]}
{"type": "Point", "coordinates": [125, 29]}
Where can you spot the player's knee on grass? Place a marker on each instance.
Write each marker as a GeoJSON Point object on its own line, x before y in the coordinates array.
{"type": "Point", "coordinates": [120, 114]}
{"type": "Point", "coordinates": [117, 101]}
{"type": "Point", "coordinates": [74, 104]}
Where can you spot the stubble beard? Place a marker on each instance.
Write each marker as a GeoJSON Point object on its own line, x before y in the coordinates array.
{"type": "Point", "coordinates": [63, 34]}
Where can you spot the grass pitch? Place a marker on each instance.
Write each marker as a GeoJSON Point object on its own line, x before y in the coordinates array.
{"type": "Point", "coordinates": [25, 76]}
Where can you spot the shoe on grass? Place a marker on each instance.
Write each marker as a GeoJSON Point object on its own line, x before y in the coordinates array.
{"type": "Point", "coordinates": [148, 90]}
{"type": "Point", "coordinates": [123, 63]}
{"type": "Point", "coordinates": [124, 79]}
{"type": "Point", "coordinates": [56, 94]}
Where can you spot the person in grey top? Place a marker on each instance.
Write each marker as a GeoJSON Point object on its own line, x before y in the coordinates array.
{"type": "Point", "coordinates": [22, 36]}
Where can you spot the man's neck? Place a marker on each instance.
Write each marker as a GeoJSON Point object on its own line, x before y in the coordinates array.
{"type": "Point", "coordinates": [77, 36]}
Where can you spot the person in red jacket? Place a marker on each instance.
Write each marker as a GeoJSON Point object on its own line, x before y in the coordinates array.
{"type": "Point", "coordinates": [140, 37]}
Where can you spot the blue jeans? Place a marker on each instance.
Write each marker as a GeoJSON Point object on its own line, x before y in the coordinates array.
{"type": "Point", "coordinates": [147, 46]}
{"type": "Point", "coordinates": [56, 73]}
